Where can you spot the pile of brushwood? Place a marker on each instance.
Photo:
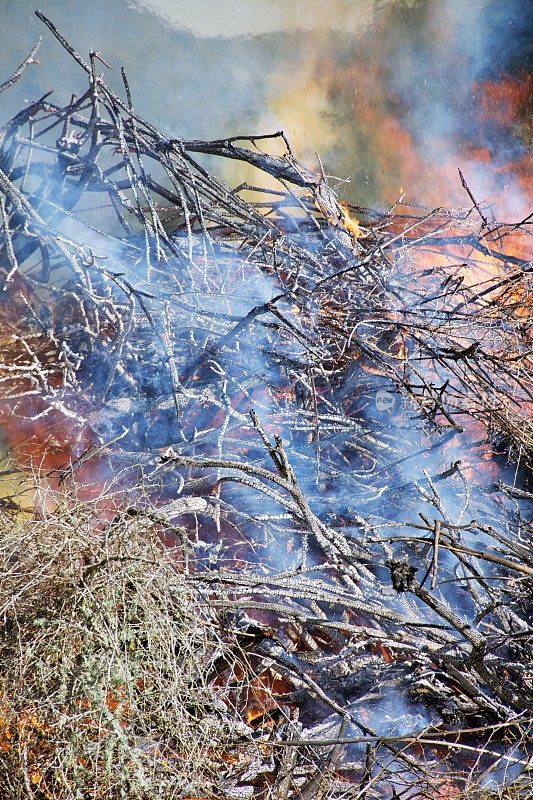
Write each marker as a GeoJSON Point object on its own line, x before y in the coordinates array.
{"type": "Point", "coordinates": [279, 544]}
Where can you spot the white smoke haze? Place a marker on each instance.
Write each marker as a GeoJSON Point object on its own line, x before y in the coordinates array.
{"type": "Point", "coordinates": [357, 447]}
{"type": "Point", "coordinates": [233, 19]}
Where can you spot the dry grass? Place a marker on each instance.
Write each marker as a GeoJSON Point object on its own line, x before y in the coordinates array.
{"type": "Point", "coordinates": [518, 790]}
{"type": "Point", "coordinates": [105, 664]}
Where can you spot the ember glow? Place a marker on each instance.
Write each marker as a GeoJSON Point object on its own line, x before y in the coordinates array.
{"type": "Point", "coordinates": [323, 410]}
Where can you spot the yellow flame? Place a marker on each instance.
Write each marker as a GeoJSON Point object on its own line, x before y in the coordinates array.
{"type": "Point", "coordinates": [349, 223]}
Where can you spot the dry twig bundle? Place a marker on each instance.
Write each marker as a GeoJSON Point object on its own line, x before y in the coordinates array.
{"type": "Point", "coordinates": [107, 664]}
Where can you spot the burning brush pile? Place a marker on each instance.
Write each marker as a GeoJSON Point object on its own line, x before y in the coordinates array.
{"type": "Point", "coordinates": [279, 543]}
